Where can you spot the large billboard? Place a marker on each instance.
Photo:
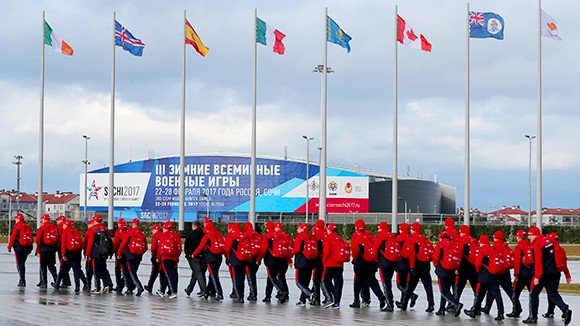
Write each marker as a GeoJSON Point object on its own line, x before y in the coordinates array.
{"type": "Point", "coordinates": [220, 186]}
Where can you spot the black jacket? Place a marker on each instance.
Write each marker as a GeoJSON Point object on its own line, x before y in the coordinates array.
{"type": "Point", "coordinates": [192, 241]}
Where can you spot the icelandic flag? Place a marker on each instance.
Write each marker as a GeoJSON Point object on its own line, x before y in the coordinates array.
{"type": "Point", "coordinates": [127, 41]}
{"type": "Point", "coordinates": [485, 25]}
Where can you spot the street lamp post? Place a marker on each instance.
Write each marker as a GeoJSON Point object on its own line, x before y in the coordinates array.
{"type": "Point", "coordinates": [86, 163]}
{"type": "Point", "coordinates": [207, 209]}
{"type": "Point", "coordinates": [18, 163]}
{"type": "Point", "coordinates": [530, 138]}
{"type": "Point", "coordinates": [406, 216]}
{"type": "Point", "coordinates": [308, 139]}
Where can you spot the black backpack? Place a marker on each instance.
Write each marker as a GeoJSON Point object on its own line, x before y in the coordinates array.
{"type": "Point", "coordinates": [103, 245]}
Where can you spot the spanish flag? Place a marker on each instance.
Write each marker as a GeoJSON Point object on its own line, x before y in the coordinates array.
{"type": "Point", "coordinates": [192, 38]}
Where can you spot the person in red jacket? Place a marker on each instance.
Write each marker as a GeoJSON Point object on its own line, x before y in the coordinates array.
{"type": "Point", "coordinates": [333, 269]}
{"type": "Point", "coordinates": [94, 235]}
{"type": "Point", "coordinates": [156, 231]}
{"type": "Point", "coordinates": [252, 268]}
{"type": "Point", "coordinates": [389, 253]}
{"type": "Point", "coordinates": [505, 279]}
{"type": "Point", "coordinates": [46, 251]}
{"type": "Point", "coordinates": [213, 260]}
{"type": "Point", "coordinates": [88, 263]}
{"type": "Point", "coordinates": [319, 233]}
{"type": "Point", "coordinates": [304, 264]}
{"type": "Point", "coordinates": [168, 256]}
{"type": "Point", "coordinates": [420, 253]}
{"type": "Point", "coordinates": [447, 260]}
{"type": "Point", "coordinates": [21, 240]}
{"type": "Point", "coordinates": [562, 267]}
{"type": "Point", "coordinates": [402, 269]}
{"type": "Point", "coordinates": [238, 253]}
{"type": "Point", "coordinates": [487, 282]}
{"type": "Point", "coordinates": [120, 261]}
{"type": "Point", "coordinates": [276, 265]}
{"type": "Point", "coordinates": [71, 253]}
{"type": "Point", "coordinates": [523, 263]}
{"type": "Point", "coordinates": [364, 259]}
{"type": "Point", "coordinates": [60, 225]}
{"type": "Point", "coordinates": [467, 268]}
{"type": "Point", "coordinates": [132, 248]}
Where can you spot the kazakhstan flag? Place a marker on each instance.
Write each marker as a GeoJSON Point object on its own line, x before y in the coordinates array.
{"type": "Point", "coordinates": [336, 35]}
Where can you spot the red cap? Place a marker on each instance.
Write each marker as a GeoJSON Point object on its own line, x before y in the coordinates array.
{"type": "Point", "coordinates": [449, 222]}
{"type": "Point", "coordinates": [554, 236]}
{"type": "Point", "coordinates": [331, 226]}
{"type": "Point", "coordinates": [465, 229]}
{"type": "Point", "coordinates": [45, 217]}
{"type": "Point", "coordinates": [498, 235]}
{"type": "Point", "coordinates": [359, 225]}
{"type": "Point", "coordinates": [269, 225]}
{"type": "Point", "coordinates": [521, 234]}
{"type": "Point", "coordinates": [19, 217]}
{"type": "Point", "coordinates": [135, 221]}
{"type": "Point", "coordinates": [248, 226]}
{"type": "Point", "coordinates": [303, 226]}
{"type": "Point", "coordinates": [534, 230]}
{"type": "Point", "coordinates": [416, 227]}
{"type": "Point", "coordinates": [121, 221]}
{"type": "Point", "coordinates": [61, 219]}
{"type": "Point", "coordinates": [320, 224]}
{"type": "Point", "coordinates": [484, 239]}
{"type": "Point", "coordinates": [235, 226]}
{"type": "Point", "coordinates": [155, 227]}
{"type": "Point", "coordinates": [168, 225]}
{"type": "Point", "coordinates": [279, 225]}
{"type": "Point", "coordinates": [206, 220]}
{"type": "Point", "coordinates": [69, 223]}
{"type": "Point", "coordinates": [404, 227]}
{"type": "Point", "coordinates": [443, 235]}
{"type": "Point", "coordinates": [384, 226]}
{"type": "Point", "coordinates": [98, 218]}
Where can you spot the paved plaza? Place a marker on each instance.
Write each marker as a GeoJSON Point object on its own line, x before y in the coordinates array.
{"type": "Point", "coordinates": [33, 306]}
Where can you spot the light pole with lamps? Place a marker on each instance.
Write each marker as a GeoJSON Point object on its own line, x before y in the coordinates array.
{"type": "Point", "coordinates": [530, 138]}
{"type": "Point", "coordinates": [18, 163]}
{"type": "Point", "coordinates": [308, 139]}
{"type": "Point", "coordinates": [206, 197]}
{"type": "Point", "coordinates": [406, 216]}
{"type": "Point", "coordinates": [86, 163]}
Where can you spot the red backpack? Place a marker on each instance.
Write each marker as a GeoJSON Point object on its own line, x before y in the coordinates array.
{"type": "Point", "coordinates": [168, 247]}
{"type": "Point", "coordinates": [50, 236]}
{"type": "Point", "coordinates": [256, 242]}
{"type": "Point", "coordinates": [282, 246]}
{"type": "Point", "coordinates": [340, 251]}
{"type": "Point", "coordinates": [392, 249]}
{"type": "Point", "coordinates": [426, 250]}
{"type": "Point", "coordinates": [369, 254]}
{"type": "Point", "coordinates": [310, 248]}
{"type": "Point", "coordinates": [473, 249]}
{"type": "Point", "coordinates": [528, 255]}
{"type": "Point", "coordinates": [497, 262]}
{"type": "Point", "coordinates": [244, 251]}
{"type": "Point", "coordinates": [217, 244]}
{"type": "Point", "coordinates": [25, 237]}
{"type": "Point", "coordinates": [509, 257]}
{"type": "Point", "coordinates": [138, 243]}
{"type": "Point", "coordinates": [74, 241]}
{"type": "Point", "coordinates": [451, 258]}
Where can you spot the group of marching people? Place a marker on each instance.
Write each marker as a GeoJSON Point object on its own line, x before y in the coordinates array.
{"type": "Point", "coordinates": [318, 258]}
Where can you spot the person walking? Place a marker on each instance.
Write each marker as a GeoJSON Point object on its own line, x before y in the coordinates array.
{"type": "Point", "coordinates": [46, 248]}
{"type": "Point", "coordinates": [389, 254]}
{"type": "Point", "coordinates": [562, 267]}
{"type": "Point", "coordinates": [132, 248]}
{"type": "Point", "coordinates": [120, 261]}
{"type": "Point", "coordinates": [336, 253]}
{"type": "Point", "coordinates": [213, 247]}
{"type": "Point", "coordinates": [71, 247]}
{"type": "Point", "coordinates": [238, 254]}
{"type": "Point", "coordinates": [21, 241]}
{"type": "Point", "coordinates": [305, 254]}
{"type": "Point", "coordinates": [253, 266]}
{"type": "Point", "coordinates": [60, 226]}
{"type": "Point", "coordinates": [168, 256]}
{"type": "Point", "coordinates": [155, 268]}
{"type": "Point", "coordinates": [99, 248]}
{"type": "Point", "coordinates": [420, 252]}
{"type": "Point", "coordinates": [319, 233]}
{"type": "Point", "coordinates": [402, 269]}
{"type": "Point", "coordinates": [523, 263]}
{"type": "Point", "coordinates": [447, 261]}
{"type": "Point", "coordinates": [466, 268]}
{"type": "Point", "coordinates": [197, 263]}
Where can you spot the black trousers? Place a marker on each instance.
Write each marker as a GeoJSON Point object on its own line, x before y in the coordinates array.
{"type": "Point", "coordinates": [89, 271]}
{"type": "Point", "coordinates": [239, 276]}
{"type": "Point", "coordinates": [445, 286]}
{"type": "Point", "coordinates": [521, 283]}
{"type": "Point", "coordinates": [214, 285]}
{"type": "Point", "coordinates": [505, 282]}
{"type": "Point", "coordinates": [101, 273]}
{"type": "Point", "coordinates": [317, 272]}
{"type": "Point", "coordinates": [425, 277]}
{"type": "Point", "coordinates": [551, 283]}
{"type": "Point", "coordinates": [133, 281]}
{"type": "Point", "coordinates": [386, 274]}
{"type": "Point", "coordinates": [66, 277]}
{"type": "Point", "coordinates": [251, 271]}
{"type": "Point", "coordinates": [333, 282]}
{"type": "Point", "coordinates": [364, 277]}
{"type": "Point", "coordinates": [303, 276]}
{"type": "Point", "coordinates": [277, 278]}
{"type": "Point", "coordinates": [467, 273]}
{"type": "Point", "coordinates": [169, 268]}
{"type": "Point", "coordinates": [73, 262]}
{"type": "Point", "coordinates": [120, 273]}
{"type": "Point", "coordinates": [492, 291]}
{"type": "Point", "coordinates": [198, 269]}
{"type": "Point", "coordinates": [47, 262]}
{"type": "Point", "coordinates": [21, 256]}
{"type": "Point", "coordinates": [403, 281]}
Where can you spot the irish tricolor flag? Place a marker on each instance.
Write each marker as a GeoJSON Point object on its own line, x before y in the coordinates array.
{"type": "Point", "coordinates": [269, 36]}
{"type": "Point", "coordinates": [57, 44]}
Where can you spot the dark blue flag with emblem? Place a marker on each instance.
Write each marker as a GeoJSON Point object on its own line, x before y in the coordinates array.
{"type": "Point", "coordinates": [485, 25]}
{"type": "Point", "coordinates": [336, 35]}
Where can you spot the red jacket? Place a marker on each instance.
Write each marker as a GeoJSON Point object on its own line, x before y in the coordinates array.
{"type": "Point", "coordinates": [264, 245]}
{"type": "Point", "coordinates": [16, 229]}
{"type": "Point", "coordinates": [90, 237]}
{"type": "Point", "coordinates": [122, 247]}
{"type": "Point", "coordinates": [40, 234]}
{"type": "Point", "coordinates": [230, 238]}
{"type": "Point", "coordinates": [519, 251]}
{"type": "Point", "coordinates": [562, 262]}
{"type": "Point", "coordinates": [203, 244]}
{"type": "Point", "coordinates": [484, 251]}
{"type": "Point", "coordinates": [356, 240]}
{"type": "Point", "coordinates": [120, 235]}
{"type": "Point", "coordinates": [174, 237]}
{"type": "Point", "coordinates": [155, 242]}
{"type": "Point", "coordinates": [327, 259]}
{"type": "Point", "coordinates": [444, 244]}
{"type": "Point", "coordinates": [410, 247]}
{"type": "Point", "coordinates": [300, 238]}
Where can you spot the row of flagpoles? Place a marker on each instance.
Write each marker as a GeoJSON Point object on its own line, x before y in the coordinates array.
{"type": "Point", "coordinates": [479, 25]}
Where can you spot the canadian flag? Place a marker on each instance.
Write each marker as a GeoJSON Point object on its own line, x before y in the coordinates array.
{"type": "Point", "coordinates": [406, 36]}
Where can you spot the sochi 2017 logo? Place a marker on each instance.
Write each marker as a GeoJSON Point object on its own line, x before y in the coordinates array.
{"type": "Point", "coordinates": [94, 190]}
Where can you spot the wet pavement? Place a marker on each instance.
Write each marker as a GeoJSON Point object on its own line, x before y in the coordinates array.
{"type": "Point", "coordinates": [34, 306]}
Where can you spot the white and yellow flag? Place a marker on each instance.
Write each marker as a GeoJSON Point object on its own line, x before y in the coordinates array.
{"type": "Point", "coordinates": [549, 27]}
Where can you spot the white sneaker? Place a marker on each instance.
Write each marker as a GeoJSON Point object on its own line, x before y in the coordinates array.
{"type": "Point", "coordinates": [173, 296]}
{"type": "Point", "coordinates": [159, 293]}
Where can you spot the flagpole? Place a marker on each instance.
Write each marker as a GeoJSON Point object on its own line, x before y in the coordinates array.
{"type": "Point", "coordinates": [40, 206]}
{"type": "Point", "coordinates": [466, 186]}
{"type": "Point", "coordinates": [252, 216]}
{"type": "Point", "coordinates": [395, 191]}
{"type": "Point", "coordinates": [323, 140]}
{"type": "Point", "coordinates": [182, 141]}
{"type": "Point", "coordinates": [539, 131]}
{"type": "Point", "coordinates": [111, 198]}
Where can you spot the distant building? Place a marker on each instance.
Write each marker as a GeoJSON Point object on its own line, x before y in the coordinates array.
{"type": "Point", "coordinates": [508, 215]}
{"type": "Point", "coordinates": [559, 216]}
{"type": "Point", "coordinates": [9, 200]}
{"type": "Point", "coordinates": [60, 203]}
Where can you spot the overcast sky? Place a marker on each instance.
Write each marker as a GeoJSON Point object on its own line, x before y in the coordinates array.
{"type": "Point", "coordinates": [360, 92]}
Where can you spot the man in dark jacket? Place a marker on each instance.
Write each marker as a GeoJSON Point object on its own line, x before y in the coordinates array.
{"type": "Point", "coordinates": [197, 263]}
